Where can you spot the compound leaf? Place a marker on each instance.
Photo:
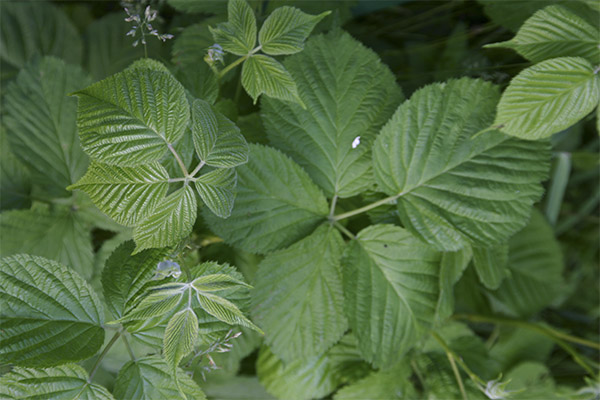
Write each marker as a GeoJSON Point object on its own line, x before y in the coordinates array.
{"type": "Point", "coordinates": [298, 298]}
{"type": "Point", "coordinates": [276, 204]}
{"type": "Point", "coordinates": [126, 194]}
{"type": "Point", "coordinates": [391, 288]}
{"type": "Point", "coordinates": [263, 74]}
{"type": "Point", "coordinates": [548, 97]}
{"type": "Point", "coordinates": [349, 94]}
{"type": "Point", "coordinates": [131, 117]}
{"type": "Point", "coordinates": [491, 264]}
{"type": "Point", "coordinates": [238, 34]}
{"type": "Point", "coordinates": [452, 188]}
{"type": "Point", "coordinates": [286, 29]}
{"type": "Point", "coordinates": [217, 190]}
{"type": "Point", "coordinates": [50, 315]}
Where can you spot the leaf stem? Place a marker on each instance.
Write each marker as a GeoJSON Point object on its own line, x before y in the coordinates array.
{"type": "Point", "coordinates": [332, 209]}
{"type": "Point", "coordinates": [128, 347]}
{"type": "Point", "coordinates": [198, 168]}
{"type": "Point", "coordinates": [237, 62]}
{"type": "Point", "coordinates": [181, 164]}
{"type": "Point", "coordinates": [461, 386]}
{"type": "Point", "coordinates": [103, 354]}
{"type": "Point", "coordinates": [344, 230]}
{"type": "Point", "coordinates": [458, 360]}
{"type": "Point", "coordinates": [489, 128]}
{"type": "Point", "coordinates": [368, 207]}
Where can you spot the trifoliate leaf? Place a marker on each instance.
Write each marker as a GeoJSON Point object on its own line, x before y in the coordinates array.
{"type": "Point", "coordinates": [173, 221]}
{"type": "Point", "coordinates": [276, 204]}
{"type": "Point", "coordinates": [40, 122]}
{"type": "Point", "coordinates": [391, 288]}
{"type": "Point", "coordinates": [50, 315]}
{"type": "Point", "coordinates": [131, 117]}
{"type": "Point", "coordinates": [286, 29]}
{"type": "Point", "coordinates": [126, 194]}
{"type": "Point", "coordinates": [263, 74]}
{"type": "Point", "coordinates": [548, 97]}
{"type": "Point", "coordinates": [238, 34]}
{"type": "Point", "coordinates": [452, 188]}
{"type": "Point", "coordinates": [349, 95]}
{"type": "Point", "coordinates": [65, 382]}
{"type": "Point", "coordinates": [491, 264]}
{"type": "Point", "coordinates": [555, 31]}
{"type": "Point", "coordinates": [180, 337]}
{"type": "Point", "coordinates": [298, 298]}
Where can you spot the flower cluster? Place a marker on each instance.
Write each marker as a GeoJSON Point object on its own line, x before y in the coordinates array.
{"type": "Point", "coordinates": [142, 24]}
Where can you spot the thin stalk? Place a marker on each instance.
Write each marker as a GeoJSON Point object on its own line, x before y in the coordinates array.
{"type": "Point", "coordinates": [128, 347]}
{"type": "Point", "coordinates": [332, 209]}
{"type": "Point", "coordinates": [181, 164]}
{"type": "Point", "coordinates": [366, 208]}
{"type": "Point", "coordinates": [171, 180]}
{"type": "Point", "coordinates": [198, 168]}
{"type": "Point", "coordinates": [458, 360]}
{"type": "Point", "coordinates": [103, 354]}
{"type": "Point", "coordinates": [237, 62]}
{"type": "Point", "coordinates": [485, 130]}
{"type": "Point", "coordinates": [344, 230]}
{"type": "Point", "coordinates": [461, 386]}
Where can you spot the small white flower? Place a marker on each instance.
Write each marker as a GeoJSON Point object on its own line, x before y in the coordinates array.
{"type": "Point", "coordinates": [356, 142]}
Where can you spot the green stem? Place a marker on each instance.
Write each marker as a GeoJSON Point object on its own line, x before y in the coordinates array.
{"type": "Point", "coordinates": [198, 168]}
{"type": "Point", "coordinates": [344, 230]}
{"type": "Point", "coordinates": [237, 62]}
{"type": "Point", "coordinates": [461, 386]}
{"type": "Point", "coordinates": [458, 360]}
{"type": "Point", "coordinates": [128, 347]}
{"type": "Point", "coordinates": [181, 164]}
{"type": "Point", "coordinates": [333, 203]}
{"type": "Point", "coordinates": [368, 207]}
{"type": "Point", "coordinates": [103, 354]}
{"type": "Point", "coordinates": [485, 130]}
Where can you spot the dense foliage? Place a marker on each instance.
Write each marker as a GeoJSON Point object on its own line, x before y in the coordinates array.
{"type": "Point", "coordinates": [298, 199]}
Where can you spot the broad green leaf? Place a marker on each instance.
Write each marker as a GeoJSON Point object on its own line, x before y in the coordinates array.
{"type": "Point", "coordinates": [236, 387]}
{"type": "Point", "coordinates": [286, 29]}
{"type": "Point", "coordinates": [548, 97]}
{"type": "Point", "coordinates": [555, 32]}
{"type": "Point", "coordinates": [391, 285]}
{"type": "Point", "coordinates": [452, 266]}
{"type": "Point", "coordinates": [173, 221]}
{"type": "Point", "coordinates": [391, 384]}
{"type": "Point", "coordinates": [34, 28]}
{"type": "Point", "coordinates": [224, 310]}
{"type": "Point", "coordinates": [536, 263]}
{"type": "Point", "coordinates": [157, 301]}
{"type": "Point", "coordinates": [60, 235]}
{"type": "Point", "coordinates": [131, 117]}
{"type": "Point", "coordinates": [349, 94]}
{"type": "Point", "coordinates": [214, 282]}
{"type": "Point", "coordinates": [298, 298]}
{"type": "Point", "coordinates": [238, 34]}
{"type": "Point", "coordinates": [65, 382]}
{"type": "Point", "coordinates": [512, 14]}
{"type": "Point", "coordinates": [15, 181]}
{"type": "Point", "coordinates": [263, 74]}
{"type": "Point", "coordinates": [491, 264]}
{"type": "Point", "coordinates": [180, 337]}
{"type": "Point", "coordinates": [150, 378]}
{"type": "Point", "coordinates": [125, 275]}
{"type": "Point", "coordinates": [276, 204]}
{"type": "Point", "coordinates": [452, 188]}
{"type": "Point", "coordinates": [50, 315]}
{"type": "Point", "coordinates": [126, 194]}
{"type": "Point", "coordinates": [533, 380]}
{"type": "Point", "coordinates": [314, 377]}
{"type": "Point", "coordinates": [217, 190]}
{"type": "Point", "coordinates": [41, 126]}
{"type": "Point", "coordinates": [218, 142]}
{"type": "Point", "coordinates": [520, 344]}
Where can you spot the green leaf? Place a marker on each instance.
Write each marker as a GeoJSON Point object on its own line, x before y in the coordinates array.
{"type": "Point", "coordinates": [238, 34]}
{"type": "Point", "coordinates": [150, 377]}
{"type": "Point", "coordinates": [491, 264]}
{"type": "Point", "coordinates": [158, 300]}
{"type": "Point", "coordinates": [173, 221]}
{"type": "Point", "coordinates": [65, 382]}
{"type": "Point", "coordinates": [15, 181]}
{"type": "Point", "coordinates": [276, 204]}
{"type": "Point", "coordinates": [452, 266]}
{"type": "Point", "coordinates": [180, 337]}
{"type": "Point", "coordinates": [60, 235]}
{"type": "Point", "coordinates": [217, 140]}
{"type": "Point", "coordinates": [215, 282]}
{"type": "Point", "coordinates": [452, 188]}
{"type": "Point", "coordinates": [224, 310]}
{"type": "Point", "coordinates": [126, 194]}
{"type": "Point", "coordinates": [314, 377]}
{"type": "Point", "coordinates": [391, 384]}
{"type": "Point", "coordinates": [512, 14]}
{"type": "Point", "coordinates": [354, 97]}
{"type": "Point", "coordinates": [50, 315]}
{"type": "Point", "coordinates": [286, 29]}
{"type": "Point", "coordinates": [548, 97]}
{"type": "Point", "coordinates": [391, 288]}
{"type": "Point", "coordinates": [217, 190]}
{"type": "Point", "coordinates": [130, 118]}
{"type": "Point", "coordinates": [263, 74]}
{"type": "Point", "coordinates": [298, 297]}
{"type": "Point", "coordinates": [125, 275]}
{"type": "Point", "coordinates": [536, 263]}
{"type": "Point", "coordinates": [555, 31]}
{"type": "Point", "coordinates": [40, 122]}
{"type": "Point", "coordinates": [30, 29]}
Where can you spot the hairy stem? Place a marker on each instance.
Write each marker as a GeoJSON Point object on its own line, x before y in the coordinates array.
{"type": "Point", "coordinates": [103, 354]}
{"type": "Point", "coordinates": [181, 164]}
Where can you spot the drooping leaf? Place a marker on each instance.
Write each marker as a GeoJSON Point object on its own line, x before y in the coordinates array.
{"type": "Point", "coordinates": [180, 337]}
{"type": "Point", "coordinates": [50, 315]}
{"type": "Point", "coordinates": [40, 122]}
{"type": "Point", "coordinates": [130, 118]}
{"type": "Point", "coordinates": [126, 194]}
{"type": "Point", "coordinates": [238, 34]}
{"type": "Point", "coordinates": [391, 289]}
{"type": "Point", "coordinates": [452, 266]}
{"type": "Point", "coordinates": [491, 264]}
{"type": "Point", "coordinates": [171, 222]}
{"type": "Point", "coordinates": [217, 140]}
{"type": "Point", "coordinates": [535, 262]}
{"type": "Point", "coordinates": [555, 31]}
{"type": "Point", "coordinates": [150, 377]}
{"type": "Point", "coordinates": [548, 97]}
{"type": "Point", "coordinates": [391, 384]}
{"type": "Point", "coordinates": [217, 190]}
{"type": "Point", "coordinates": [65, 382]}
{"type": "Point", "coordinates": [452, 188]}
{"type": "Point", "coordinates": [60, 235]}
{"type": "Point", "coordinates": [298, 297]}
{"type": "Point", "coordinates": [263, 74]}
{"type": "Point", "coordinates": [349, 94]}
{"type": "Point", "coordinates": [15, 181]}
{"type": "Point", "coordinates": [286, 29]}
{"type": "Point", "coordinates": [311, 378]}
{"type": "Point", "coordinates": [276, 204]}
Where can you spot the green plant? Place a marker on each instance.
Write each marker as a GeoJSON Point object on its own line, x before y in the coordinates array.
{"type": "Point", "coordinates": [161, 231]}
